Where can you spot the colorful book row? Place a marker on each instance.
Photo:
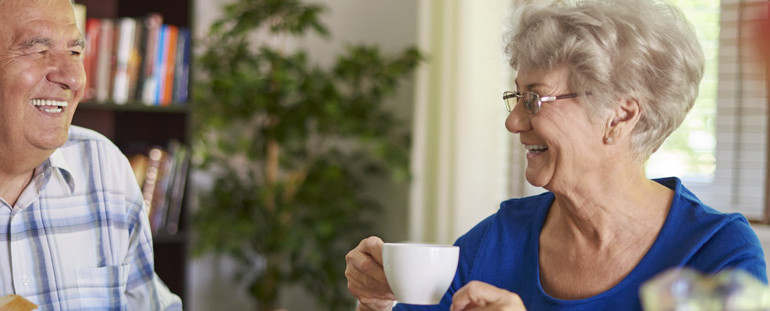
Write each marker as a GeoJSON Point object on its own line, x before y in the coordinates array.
{"type": "Point", "coordinates": [131, 60]}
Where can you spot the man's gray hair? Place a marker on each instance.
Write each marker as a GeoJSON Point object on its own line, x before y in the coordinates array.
{"type": "Point", "coordinates": [72, 2]}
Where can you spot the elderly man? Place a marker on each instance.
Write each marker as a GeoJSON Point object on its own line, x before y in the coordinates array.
{"type": "Point", "coordinates": [74, 233]}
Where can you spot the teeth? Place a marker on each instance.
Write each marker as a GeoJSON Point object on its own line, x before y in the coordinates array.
{"type": "Point", "coordinates": [536, 147]}
{"type": "Point", "coordinates": [48, 102]}
{"type": "Point", "coordinates": [50, 106]}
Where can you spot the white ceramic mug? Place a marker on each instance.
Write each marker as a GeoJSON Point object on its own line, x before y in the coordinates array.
{"type": "Point", "coordinates": [419, 274]}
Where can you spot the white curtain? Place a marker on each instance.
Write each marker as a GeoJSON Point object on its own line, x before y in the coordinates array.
{"type": "Point", "coordinates": [461, 147]}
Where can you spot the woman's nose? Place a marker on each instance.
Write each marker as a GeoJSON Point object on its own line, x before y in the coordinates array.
{"type": "Point", "coordinates": [518, 120]}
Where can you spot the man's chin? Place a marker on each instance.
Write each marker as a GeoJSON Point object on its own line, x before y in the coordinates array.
{"type": "Point", "coordinates": [51, 142]}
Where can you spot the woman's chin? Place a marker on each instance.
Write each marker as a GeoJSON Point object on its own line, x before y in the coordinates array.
{"type": "Point", "coordinates": [536, 179]}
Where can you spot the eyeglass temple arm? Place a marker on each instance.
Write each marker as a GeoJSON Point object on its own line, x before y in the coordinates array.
{"type": "Point", "coordinates": [572, 95]}
{"type": "Point", "coordinates": [510, 95]}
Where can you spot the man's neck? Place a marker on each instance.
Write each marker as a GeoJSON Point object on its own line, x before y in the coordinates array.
{"type": "Point", "coordinates": [16, 173]}
{"type": "Point", "coordinates": [11, 187]}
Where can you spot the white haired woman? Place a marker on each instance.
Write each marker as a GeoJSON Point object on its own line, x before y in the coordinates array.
{"type": "Point", "coordinates": [599, 86]}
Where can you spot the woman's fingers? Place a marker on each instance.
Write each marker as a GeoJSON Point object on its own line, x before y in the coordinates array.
{"type": "Point", "coordinates": [480, 296]}
{"type": "Point", "coordinates": [362, 284]}
{"type": "Point", "coordinates": [366, 277]}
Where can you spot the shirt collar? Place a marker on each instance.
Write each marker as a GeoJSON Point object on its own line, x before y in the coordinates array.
{"type": "Point", "coordinates": [62, 169]}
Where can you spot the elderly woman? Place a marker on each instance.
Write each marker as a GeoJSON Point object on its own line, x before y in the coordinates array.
{"type": "Point", "coordinates": [600, 85]}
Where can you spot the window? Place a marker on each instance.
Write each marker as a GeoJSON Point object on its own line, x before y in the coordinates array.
{"type": "Point", "coordinates": [689, 152]}
{"type": "Point", "coordinates": [720, 149]}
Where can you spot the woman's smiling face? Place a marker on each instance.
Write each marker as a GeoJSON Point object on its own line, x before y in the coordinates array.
{"type": "Point", "coordinates": [563, 142]}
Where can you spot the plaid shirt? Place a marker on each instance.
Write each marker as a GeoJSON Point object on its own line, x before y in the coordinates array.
{"type": "Point", "coordinates": [78, 237]}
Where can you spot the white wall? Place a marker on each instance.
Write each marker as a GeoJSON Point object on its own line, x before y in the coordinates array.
{"type": "Point", "coordinates": [391, 25]}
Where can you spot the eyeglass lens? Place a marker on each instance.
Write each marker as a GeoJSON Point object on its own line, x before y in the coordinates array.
{"type": "Point", "coordinates": [529, 99]}
{"type": "Point", "coordinates": [531, 102]}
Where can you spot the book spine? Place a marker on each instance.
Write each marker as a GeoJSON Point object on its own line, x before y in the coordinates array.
{"type": "Point", "coordinates": [93, 26]}
{"type": "Point", "coordinates": [162, 188]}
{"type": "Point", "coordinates": [151, 178]}
{"type": "Point", "coordinates": [177, 191]}
{"type": "Point", "coordinates": [135, 61]}
{"type": "Point", "coordinates": [169, 62]}
{"type": "Point", "coordinates": [152, 23]}
{"type": "Point", "coordinates": [182, 67]}
{"type": "Point", "coordinates": [103, 61]}
{"type": "Point", "coordinates": [160, 68]}
{"type": "Point", "coordinates": [123, 52]}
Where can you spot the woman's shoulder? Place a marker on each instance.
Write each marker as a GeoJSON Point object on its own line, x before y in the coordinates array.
{"type": "Point", "coordinates": [519, 214]}
{"type": "Point", "coordinates": [526, 205]}
{"type": "Point", "coordinates": [731, 243]}
{"type": "Point", "coordinates": [711, 240]}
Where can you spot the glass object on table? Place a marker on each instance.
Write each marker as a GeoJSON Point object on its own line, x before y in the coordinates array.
{"type": "Point", "coordinates": [684, 289]}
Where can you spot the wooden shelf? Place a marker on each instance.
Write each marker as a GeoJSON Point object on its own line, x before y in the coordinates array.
{"type": "Point", "coordinates": [136, 127]}
{"type": "Point", "coordinates": [137, 107]}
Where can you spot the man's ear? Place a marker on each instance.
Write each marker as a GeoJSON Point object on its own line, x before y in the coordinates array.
{"type": "Point", "coordinates": [622, 120]}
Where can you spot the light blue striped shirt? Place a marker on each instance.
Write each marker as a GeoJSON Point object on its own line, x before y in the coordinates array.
{"type": "Point", "coordinates": [78, 237]}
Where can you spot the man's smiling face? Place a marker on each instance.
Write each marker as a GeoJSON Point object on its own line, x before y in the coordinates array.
{"type": "Point", "coordinates": [41, 74]}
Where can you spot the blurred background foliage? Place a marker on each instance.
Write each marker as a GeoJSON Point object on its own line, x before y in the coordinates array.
{"type": "Point", "coordinates": [290, 146]}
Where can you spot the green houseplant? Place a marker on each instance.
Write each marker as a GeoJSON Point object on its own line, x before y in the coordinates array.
{"type": "Point", "coordinates": [290, 145]}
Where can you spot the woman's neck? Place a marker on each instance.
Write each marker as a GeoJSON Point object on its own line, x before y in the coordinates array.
{"type": "Point", "coordinates": [610, 205]}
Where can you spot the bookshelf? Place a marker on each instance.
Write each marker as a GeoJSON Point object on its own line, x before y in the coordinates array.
{"type": "Point", "coordinates": [136, 127]}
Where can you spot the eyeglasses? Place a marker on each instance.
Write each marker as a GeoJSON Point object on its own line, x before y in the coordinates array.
{"type": "Point", "coordinates": [531, 100]}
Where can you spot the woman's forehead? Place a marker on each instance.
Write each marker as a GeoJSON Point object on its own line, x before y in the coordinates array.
{"type": "Point", "coordinates": [554, 77]}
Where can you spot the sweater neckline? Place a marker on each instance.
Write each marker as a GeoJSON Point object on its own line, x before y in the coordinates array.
{"type": "Point", "coordinates": [632, 277]}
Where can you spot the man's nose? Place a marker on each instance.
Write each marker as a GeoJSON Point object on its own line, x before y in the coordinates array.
{"type": "Point", "coordinates": [67, 71]}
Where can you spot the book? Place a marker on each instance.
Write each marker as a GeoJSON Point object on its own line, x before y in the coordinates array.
{"type": "Point", "coordinates": [123, 52]}
{"type": "Point", "coordinates": [152, 176]}
{"type": "Point", "coordinates": [182, 67]}
{"type": "Point", "coordinates": [147, 85]}
{"type": "Point", "coordinates": [104, 61]}
{"type": "Point", "coordinates": [181, 164]}
{"type": "Point", "coordinates": [160, 195]}
{"type": "Point", "coordinates": [135, 61]}
{"type": "Point", "coordinates": [139, 163]}
{"type": "Point", "coordinates": [93, 26]}
{"type": "Point", "coordinates": [169, 62]}
{"type": "Point", "coordinates": [160, 69]}
{"type": "Point", "coordinates": [152, 84]}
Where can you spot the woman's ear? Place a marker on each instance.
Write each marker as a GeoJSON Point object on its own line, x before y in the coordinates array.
{"type": "Point", "coordinates": [622, 120]}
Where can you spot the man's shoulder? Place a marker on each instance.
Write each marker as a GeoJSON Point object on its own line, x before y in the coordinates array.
{"type": "Point", "coordinates": [80, 137]}
{"type": "Point", "coordinates": [79, 134]}
{"type": "Point", "coordinates": [85, 147]}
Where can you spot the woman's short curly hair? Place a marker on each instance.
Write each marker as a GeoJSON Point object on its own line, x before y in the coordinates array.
{"type": "Point", "coordinates": [644, 49]}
